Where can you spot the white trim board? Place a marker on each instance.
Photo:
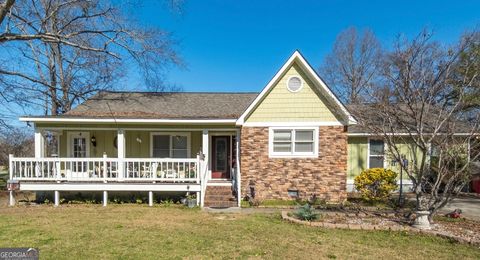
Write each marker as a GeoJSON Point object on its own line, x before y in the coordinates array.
{"type": "Point", "coordinates": [291, 124]}
{"type": "Point", "coordinates": [124, 120]}
{"type": "Point", "coordinates": [108, 187]}
{"type": "Point", "coordinates": [126, 128]}
{"type": "Point", "coordinates": [296, 56]}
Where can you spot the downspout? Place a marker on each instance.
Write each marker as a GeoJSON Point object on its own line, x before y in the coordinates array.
{"type": "Point", "coordinates": [238, 183]}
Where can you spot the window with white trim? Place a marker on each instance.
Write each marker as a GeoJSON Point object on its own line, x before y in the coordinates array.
{"type": "Point", "coordinates": [294, 84]}
{"type": "Point", "coordinates": [376, 153]}
{"type": "Point", "coordinates": [170, 145]}
{"type": "Point", "coordinates": [293, 142]}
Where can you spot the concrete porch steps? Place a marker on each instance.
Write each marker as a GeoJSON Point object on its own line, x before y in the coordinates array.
{"type": "Point", "coordinates": [220, 197]}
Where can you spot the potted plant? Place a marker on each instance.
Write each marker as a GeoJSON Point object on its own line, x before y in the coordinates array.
{"type": "Point", "coordinates": [191, 201]}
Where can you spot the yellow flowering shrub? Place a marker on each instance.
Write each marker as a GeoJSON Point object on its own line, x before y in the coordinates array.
{"type": "Point", "coordinates": [376, 183]}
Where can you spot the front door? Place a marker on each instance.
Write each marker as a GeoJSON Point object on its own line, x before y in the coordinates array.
{"type": "Point", "coordinates": [79, 145]}
{"type": "Point", "coordinates": [221, 157]}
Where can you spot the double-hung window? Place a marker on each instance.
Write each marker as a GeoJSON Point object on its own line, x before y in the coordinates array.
{"type": "Point", "coordinates": [166, 145]}
{"type": "Point", "coordinates": [293, 142]}
{"type": "Point", "coordinates": [376, 153]}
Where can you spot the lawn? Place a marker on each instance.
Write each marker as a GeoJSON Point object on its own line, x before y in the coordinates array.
{"type": "Point", "coordinates": [137, 231]}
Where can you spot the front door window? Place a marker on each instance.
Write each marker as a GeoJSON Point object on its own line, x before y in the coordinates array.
{"type": "Point", "coordinates": [221, 154]}
{"type": "Point", "coordinates": [221, 157]}
{"type": "Point", "coordinates": [79, 147]}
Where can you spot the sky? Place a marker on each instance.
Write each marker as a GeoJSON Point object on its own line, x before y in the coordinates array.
{"type": "Point", "coordinates": [239, 45]}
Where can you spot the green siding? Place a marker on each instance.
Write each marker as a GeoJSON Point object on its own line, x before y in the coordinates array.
{"type": "Point", "coordinates": [411, 152]}
{"type": "Point", "coordinates": [103, 138]}
{"type": "Point", "coordinates": [196, 143]}
{"type": "Point", "coordinates": [281, 105]}
{"type": "Point", "coordinates": [134, 149]}
{"type": "Point", "coordinates": [357, 156]}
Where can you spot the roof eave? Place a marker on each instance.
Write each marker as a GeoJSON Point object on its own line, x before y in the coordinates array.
{"type": "Point", "coordinates": [126, 120]}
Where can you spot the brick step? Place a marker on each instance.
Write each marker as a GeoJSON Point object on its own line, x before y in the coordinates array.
{"type": "Point", "coordinates": [219, 198]}
{"type": "Point", "coordinates": [220, 188]}
{"type": "Point", "coordinates": [223, 204]}
{"type": "Point", "coordinates": [216, 191]}
{"type": "Point", "coordinates": [229, 193]}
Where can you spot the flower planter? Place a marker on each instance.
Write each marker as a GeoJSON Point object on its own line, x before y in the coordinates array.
{"type": "Point", "coordinates": [421, 221]}
{"type": "Point", "coordinates": [191, 203]}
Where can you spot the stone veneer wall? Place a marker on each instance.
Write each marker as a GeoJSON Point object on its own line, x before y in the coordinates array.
{"type": "Point", "coordinates": [324, 176]}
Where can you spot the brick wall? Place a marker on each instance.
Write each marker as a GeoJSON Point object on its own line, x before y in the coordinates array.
{"type": "Point", "coordinates": [324, 176]}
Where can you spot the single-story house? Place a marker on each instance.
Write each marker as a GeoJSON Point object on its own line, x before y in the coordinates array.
{"type": "Point", "coordinates": [293, 139]}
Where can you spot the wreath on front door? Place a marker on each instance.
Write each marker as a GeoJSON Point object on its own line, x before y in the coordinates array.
{"type": "Point", "coordinates": [115, 142]}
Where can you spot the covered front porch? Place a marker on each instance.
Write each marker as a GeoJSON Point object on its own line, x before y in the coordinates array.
{"type": "Point", "coordinates": [129, 157]}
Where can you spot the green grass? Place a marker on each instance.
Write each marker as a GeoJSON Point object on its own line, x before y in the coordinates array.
{"type": "Point", "coordinates": [136, 231]}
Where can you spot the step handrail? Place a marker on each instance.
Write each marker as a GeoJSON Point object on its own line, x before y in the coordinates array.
{"type": "Point", "coordinates": [203, 183]}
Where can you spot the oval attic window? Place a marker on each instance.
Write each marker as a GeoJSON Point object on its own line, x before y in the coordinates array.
{"type": "Point", "coordinates": [294, 84]}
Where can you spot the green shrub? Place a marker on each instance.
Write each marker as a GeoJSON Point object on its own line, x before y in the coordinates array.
{"type": "Point", "coordinates": [376, 183]}
{"type": "Point", "coordinates": [306, 212]}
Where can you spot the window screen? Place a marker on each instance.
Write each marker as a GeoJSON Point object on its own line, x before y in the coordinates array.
{"type": "Point", "coordinates": [293, 141]}
{"type": "Point", "coordinates": [377, 154]}
{"type": "Point", "coordinates": [161, 146]}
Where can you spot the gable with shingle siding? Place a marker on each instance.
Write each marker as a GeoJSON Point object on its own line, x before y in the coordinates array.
{"type": "Point", "coordinates": [281, 105]}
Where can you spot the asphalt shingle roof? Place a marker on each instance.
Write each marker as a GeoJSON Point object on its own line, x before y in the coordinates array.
{"type": "Point", "coordinates": [366, 114]}
{"type": "Point", "coordinates": [164, 105]}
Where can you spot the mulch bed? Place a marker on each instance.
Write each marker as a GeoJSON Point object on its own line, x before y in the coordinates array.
{"type": "Point", "coordinates": [461, 230]}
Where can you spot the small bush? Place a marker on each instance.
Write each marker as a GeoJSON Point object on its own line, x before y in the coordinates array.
{"type": "Point", "coordinates": [376, 183]}
{"type": "Point", "coordinates": [306, 212]}
{"type": "Point", "coordinates": [167, 202]}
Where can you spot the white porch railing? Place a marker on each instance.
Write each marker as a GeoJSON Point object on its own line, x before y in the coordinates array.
{"type": "Point", "coordinates": [105, 169]}
{"type": "Point", "coordinates": [176, 170]}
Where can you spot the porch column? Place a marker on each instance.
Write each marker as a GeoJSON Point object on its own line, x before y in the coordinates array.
{"type": "Point", "coordinates": [205, 149]}
{"type": "Point", "coordinates": [39, 144]}
{"type": "Point", "coordinates": [238, 177]}
{"type": "Point", "coordinates": [150, 198]}
{"type": "Point", "coordinates": [105, 198]}
{"type": "Point", "coordinates": [121, 152]}
{"type": "Point", "coordinates": [11, 200]}
{"type": "Point", "coordinates": [56, 198]}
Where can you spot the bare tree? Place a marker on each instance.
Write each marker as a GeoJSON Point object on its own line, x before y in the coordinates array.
{"type": "Point", "coordinates": [57, 53]}
{"type": "Point", "coordinates": [468, 66]}
{"type": "Point", "coordinates": [15, 141]}
{"type": "Point", "coordinates": [413, 108]}
{"type": "Point", "coordinates": [352, 66]}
